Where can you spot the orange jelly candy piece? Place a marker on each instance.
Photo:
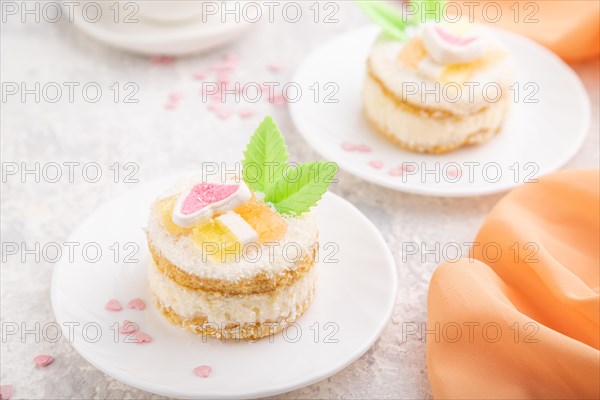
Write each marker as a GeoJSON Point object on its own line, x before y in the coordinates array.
{"type": "Point", "coordinates": [216, 240]}
{"type": "Point", "coordinates": [164, 208]}
{"type": "Point", "coordinates": [269, 225]}
{"type": "Point", "coordinates": [413, 52]}
{"type": "Point", "coordinates": [461, 73]}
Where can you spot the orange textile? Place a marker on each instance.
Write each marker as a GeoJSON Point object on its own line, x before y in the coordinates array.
{"type": "Point", "coordinates": [520, 317]}
{"type": "Point", "coordinates": [570, 28]}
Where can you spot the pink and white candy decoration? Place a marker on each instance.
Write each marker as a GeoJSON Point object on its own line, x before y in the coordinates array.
{"type": "Point", "coordinates": [204, 200]}
{"type": "Point", "coordinates": [453, 43]}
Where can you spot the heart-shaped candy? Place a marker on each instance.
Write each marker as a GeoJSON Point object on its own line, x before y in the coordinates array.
{"type": "Point", "coordinates": [456, 43]}
{"type": "Point", "coordinates": [205, 199]}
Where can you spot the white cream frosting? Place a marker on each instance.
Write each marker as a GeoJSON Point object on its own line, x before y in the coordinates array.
{"type": "Point", "coordinates": [225, 309]}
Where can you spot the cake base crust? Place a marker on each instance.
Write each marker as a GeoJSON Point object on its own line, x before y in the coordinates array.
{"type": "Point", "coordinates": [246, 331]}
{"type": "Point", "coordinates": [260, 283]}
{"type": "Point", "coordinates": [474, 138]}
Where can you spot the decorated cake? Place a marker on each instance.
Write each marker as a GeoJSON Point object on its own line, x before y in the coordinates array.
{"type": "Point", "coordinates": [435, 85]}
{"type": "Point", "coordinates": [234, 256]}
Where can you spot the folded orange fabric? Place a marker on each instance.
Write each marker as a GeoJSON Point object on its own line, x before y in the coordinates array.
{"type": "Point", "coordinates": [570, 28]}
{"type": "Point", "coordinates": [520, 318]}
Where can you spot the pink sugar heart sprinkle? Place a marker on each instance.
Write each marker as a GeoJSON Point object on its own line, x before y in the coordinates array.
{"type": "Point", "coordinates": [453, 39]}
{"type": "Point", "coordinates": [6, 392]}
{"type": "Point", "coordinates": [246, 113]}
{"type": "Point", "coordinates": [162, 60]}
{"type": "Point", "coordinates": [204, 194]}
{"type": "Point", "coordinates": [141, 337]}
{"type": "Point", "coordinates": [454, 172]}
{"type": "Point", "coordinates": [136, 304]}
{"type": "Point", "coordinates": [203, 371]}
{"type": "Point", "coordinates": [376, 164]}
{"type": "Point", "coordinates": [396, 172]}
{"type": "Point", "coordinates": [223, 78]}
{"type": "Point", "coordinates": [223, 67]}
{"type": "Point", "coordinates": [128, 327]}
{"type": "Point", "coordinates": [216, 98]}
{"type": "Point", "coordinates": [348, 146]}
{"type": "Point", "coordinates": [43, 360]}
{"type": "Point", "coordinates": [408, 167]}
{"type": "Point", "coordinates": [224, 113]}
{"type": "Point", "coordinates": [278, 100]}
{"type": "Point", "coordinates": [113, 305]}
{"type": "Point", "coordinates": [231, 58]}
{"type": "Point", "coordinates": [275, 67]}
{"type": "Point", "coordinates": [363, 148]}
{"type": "Point", "coordinates": [175, 96]}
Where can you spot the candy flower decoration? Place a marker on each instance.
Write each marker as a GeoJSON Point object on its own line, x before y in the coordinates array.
{"type": "Point", "coordinates": [394, 23]}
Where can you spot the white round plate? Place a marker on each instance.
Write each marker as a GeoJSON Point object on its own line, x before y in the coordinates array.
{"type": "Point", "coordinates": [537, 138]}
{"type": "Point", "coordinates": [353, 303]}
{"type": "Point", "coordinates": [150, 37]}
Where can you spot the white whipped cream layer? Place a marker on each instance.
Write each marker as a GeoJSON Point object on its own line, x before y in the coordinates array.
{"type": "Point", "coordinates": [226, 309]}
{"type": "Point", "coordinates": [421, 130]}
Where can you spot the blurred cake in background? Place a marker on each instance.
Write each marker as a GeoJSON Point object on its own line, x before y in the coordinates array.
{"type": "Point", "coordinates": [433, 87]}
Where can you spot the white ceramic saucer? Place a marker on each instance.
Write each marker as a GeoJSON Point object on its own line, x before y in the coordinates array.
{"type": "Point", "coordinates": [150, 37]}
{"type": "Point", "coordinates": [354, 300]}
{"type": "Point", "coordinates": [537, 138]}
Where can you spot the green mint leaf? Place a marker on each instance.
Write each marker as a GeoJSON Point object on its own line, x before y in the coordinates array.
{"type": "Point", "coordinates": [393, 23]}
{"type": "Point", "coordinates": [265, 157]}
{"type": "Point", "coordinates": [301, 187]}
{"type": "Point", "coordinates": [384, 15]}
